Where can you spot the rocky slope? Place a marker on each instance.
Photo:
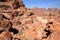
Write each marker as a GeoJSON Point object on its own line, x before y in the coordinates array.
{"type": "Point", "coordinates": [20, 23]}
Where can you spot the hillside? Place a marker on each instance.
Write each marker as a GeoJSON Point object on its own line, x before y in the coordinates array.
{"type": "Point", "coordinates": [17, 22]}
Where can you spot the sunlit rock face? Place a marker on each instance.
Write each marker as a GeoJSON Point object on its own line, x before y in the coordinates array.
{"type": "Point", "coordinates": [20, 23]}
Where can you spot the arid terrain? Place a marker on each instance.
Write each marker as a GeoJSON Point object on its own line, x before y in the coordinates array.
{"type": "Point", "coordinates": [17, 22]}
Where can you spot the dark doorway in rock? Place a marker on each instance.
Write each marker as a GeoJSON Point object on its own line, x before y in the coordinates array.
{"type": "Point", "coordinates": [15, 31]}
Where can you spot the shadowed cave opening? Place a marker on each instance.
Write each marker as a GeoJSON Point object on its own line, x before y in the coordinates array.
{"type": "Point", "coordinates": [48, 32]}
{"type": "Point", "coordinates": [15, 31]}
{"type": "Point", "coordinates": [3, 0]}
{"type": "Point", "coordinates": [1, 31]}
{"type": "Point", "coordinates": [50, 22]}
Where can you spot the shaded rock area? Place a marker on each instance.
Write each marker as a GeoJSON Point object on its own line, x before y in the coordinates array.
{"type": "Point", "coordinates": [20, 23]}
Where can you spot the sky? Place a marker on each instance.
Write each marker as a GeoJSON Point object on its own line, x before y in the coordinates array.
{"type": "Point", "coordinates": [42, 3]}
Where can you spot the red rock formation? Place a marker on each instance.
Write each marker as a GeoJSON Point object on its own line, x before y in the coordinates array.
{"type": "Point", "coordinates": [28, 24]}
{"type": "Point", "coordinates": [5, 36]}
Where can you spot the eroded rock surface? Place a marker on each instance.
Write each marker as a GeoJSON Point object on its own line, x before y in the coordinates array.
{"type": "Point", "coordinates": [20, 23]}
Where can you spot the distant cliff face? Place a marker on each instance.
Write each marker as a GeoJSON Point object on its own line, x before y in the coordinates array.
{"type": "Point", "coordinates": [20, 23]}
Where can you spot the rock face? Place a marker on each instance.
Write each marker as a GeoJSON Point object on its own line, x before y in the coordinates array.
{"type": "Point", "coordinates": [20, 23]}
{"type": "Point", "coordinates": [5, 36]}
{"type": "Point", "coordinates": [11, 4]}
